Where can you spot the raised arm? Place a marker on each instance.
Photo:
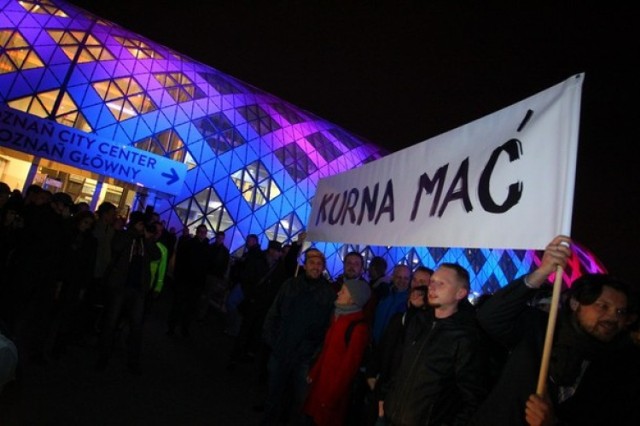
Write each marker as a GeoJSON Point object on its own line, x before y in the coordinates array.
{"type": "Point", "coordinates": [500, 316]}
{"type": "Point", "coordinates": [291, 258]}
{"type": "Point", "coordinates": [556, 254]}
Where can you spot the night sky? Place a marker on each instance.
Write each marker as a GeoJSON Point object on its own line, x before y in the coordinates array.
{"type": "Point", "coordinates": [400, 72]}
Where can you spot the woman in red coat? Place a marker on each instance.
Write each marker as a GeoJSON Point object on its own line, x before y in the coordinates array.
{"type": "Point", "coordinates": [344, 345]}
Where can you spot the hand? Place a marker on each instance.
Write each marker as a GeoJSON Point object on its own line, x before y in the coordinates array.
{"type": "Point", "coordinates": [539, 411]}
{"type": "Point", "coordinates": [309, 380]}
{"type": "Point", "coordinates": [371, 382]}
{"type": "Point", "coordinates": [302, 237]}
{"type": "Point", "coordinates": [556, 254]}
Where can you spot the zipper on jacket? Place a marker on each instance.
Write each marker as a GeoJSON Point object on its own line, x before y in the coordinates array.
{"type": "Point", "coordinates": [413, 366]}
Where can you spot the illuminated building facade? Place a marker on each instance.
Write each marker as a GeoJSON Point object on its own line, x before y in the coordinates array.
{"type": "Point", "coordinates": [253, 161]}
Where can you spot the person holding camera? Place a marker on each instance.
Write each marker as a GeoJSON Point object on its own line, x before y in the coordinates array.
{"type": "Point", "coordinates": [387, 354]}
{"type": "Point", "coordinates": [441, 376]}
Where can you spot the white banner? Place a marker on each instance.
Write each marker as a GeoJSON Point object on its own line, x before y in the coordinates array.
{"type": "Point", "coordinates": [503, 181]}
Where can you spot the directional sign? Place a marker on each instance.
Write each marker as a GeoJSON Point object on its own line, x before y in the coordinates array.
{"type": "Point", "coordinates": [45, 138]}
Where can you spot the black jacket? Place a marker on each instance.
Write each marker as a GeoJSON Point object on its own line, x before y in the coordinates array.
{"type": "Point", "coordinates": [192, 257]}
{"type": "Point", "coordinates": [441, 379]}
{"type": "Point", "coordinates": [249, 269]}
{"type": "Point", "coordinates": [218, 260]}
{"type": "Point", "coordinates": [118, 273]}
{"type": "Point", "coordinates": [257, 303]}
{"type": "Point", "coordinates": [387, 355]}
{"type": "Point", "coordinates": [298, 319]}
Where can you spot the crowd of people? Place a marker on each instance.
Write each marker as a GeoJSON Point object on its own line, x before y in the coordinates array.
{"type": "Point", "coordinates": [363, 349]}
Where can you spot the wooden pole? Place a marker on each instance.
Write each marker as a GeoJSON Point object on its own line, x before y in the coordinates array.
{"type": "Point", "coordinates": [548, 340]}
{"type": "Point", "coordinates": [304, 237]}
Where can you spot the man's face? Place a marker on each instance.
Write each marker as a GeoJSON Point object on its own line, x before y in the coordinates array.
{"type": "Point", "coordinates": [274, 254]}
{"type": "Point", "coordinates": [150, 233]}
{"type": "Point", "coordinates": [201, 233]}
{"type": "Point", "coordinates": [420, 278]}
{"type": "Point", "coordinates": [445, 288]}
{"type": "Point", "coordinates": [85, 224]}
{"type": "Point", "coordinates": [138, 227]}
{"type": "Point", "coordinates": [41, 198]}
{"type": "Point", "coordinates": [605, 318]}
{"type": "Point", "coordinates": [61, 208]}
{"type": "Point", "coordinates": [110, 216]}
{"type": "Point", "coordinates": [419, 283]}
{"type": "Point", "coordinates": [251, 241]}
{"type": "Point", "coordinates": [314, 265]}
{"type": "Point", "coordinates": [400, 277]}
{"type": "Point", "coordinates": [219, 238]}
{"type": "Point", "coordinates": [352, 267]}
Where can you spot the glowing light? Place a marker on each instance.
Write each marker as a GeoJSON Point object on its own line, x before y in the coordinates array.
{"type": "Point", "coordinates": [123, 109]}
{"type": "Point", "coordinates": [224, 134]}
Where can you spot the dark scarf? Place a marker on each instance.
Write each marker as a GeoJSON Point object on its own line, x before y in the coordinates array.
{"type": "Point", "coordinates": [572, 346]}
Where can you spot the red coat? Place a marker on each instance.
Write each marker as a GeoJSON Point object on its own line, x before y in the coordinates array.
{"type": "Point", "coordinates": [335, 369]}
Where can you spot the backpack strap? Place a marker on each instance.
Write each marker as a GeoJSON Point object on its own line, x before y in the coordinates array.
{"type": "Point", "coordinates": [352, 325]}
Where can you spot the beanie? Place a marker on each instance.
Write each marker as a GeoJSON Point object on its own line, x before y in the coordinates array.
{"type": "Point", "coordinates": [359, 291]}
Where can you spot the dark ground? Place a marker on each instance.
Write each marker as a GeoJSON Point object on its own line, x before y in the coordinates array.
{"type": "Point", "coordinates": [183, 382]}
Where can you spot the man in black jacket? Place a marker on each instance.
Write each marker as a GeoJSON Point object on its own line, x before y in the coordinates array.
{"type": "Point", "coordinates": [127, 283]}
{"type": "Point", "coordinates": [592, 378]}
{"type": "Point", "coordinates": [192, 257]}
{"type": "Point", "coordinates": [256, 304]}
{"type": "Point", "coordinates": [294, 328]}
{"type": "Point", "coordinates": [216, 281]}
{"type": "Point", "coordinates": [245, 274]}
{"type": "Point", "coordinates": [442, 374]}
{"type": "Point", "coordinates": [386, 356]}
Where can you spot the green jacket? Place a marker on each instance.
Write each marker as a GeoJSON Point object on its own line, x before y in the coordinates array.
{"type": "Point", "coordinates": [159, 269]}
